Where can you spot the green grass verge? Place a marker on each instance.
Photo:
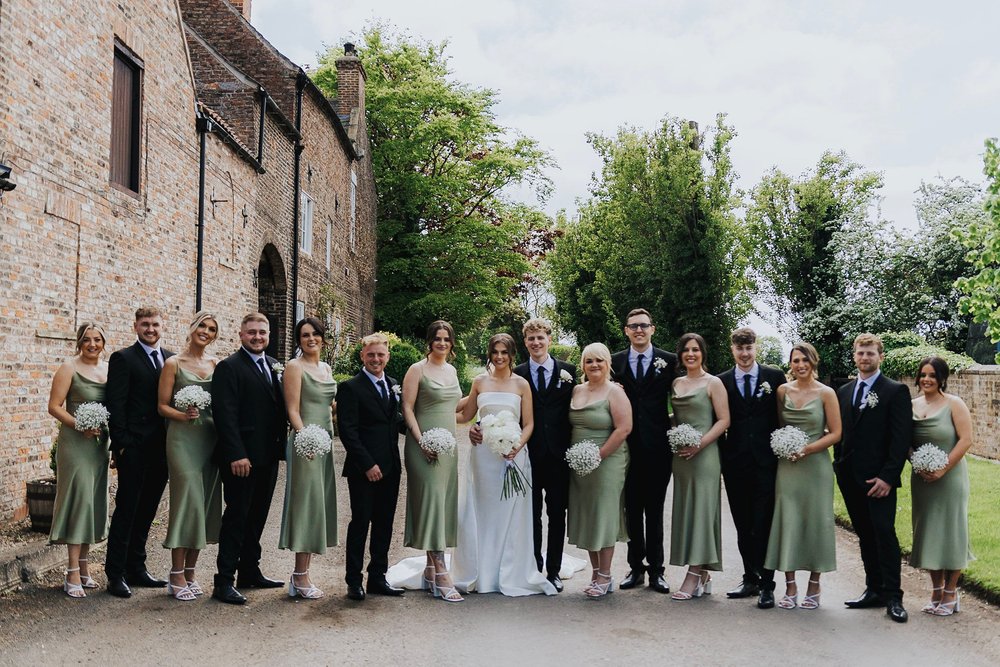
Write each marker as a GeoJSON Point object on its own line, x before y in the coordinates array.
{"type": "Point", "coordinates": [983, 574]}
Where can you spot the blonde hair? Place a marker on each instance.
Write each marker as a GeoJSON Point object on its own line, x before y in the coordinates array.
{"type": "Point", "coordinates": [376, 338]}
{"type": "Point", "coordinates": [598, 351]}
{"type": "Point", "coordinates": [254, 317]}
{"type": "Point", "coordinates": [866, 339]}
{"type": "Point", "coordinates": [536, 324]}
{"type": "Point", "coordinates": [200, 317]}
{"type": "Point", "coordinates": [81, 331]}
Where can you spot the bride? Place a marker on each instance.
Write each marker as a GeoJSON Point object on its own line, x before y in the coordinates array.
{"type": "Point", "coordinates": [495, 549]}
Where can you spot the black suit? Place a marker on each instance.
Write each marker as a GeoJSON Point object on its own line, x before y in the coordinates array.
{"type": "Point", "coordinates": [369, 431]}
{"type": "Point", "coordinates": [547, 453]}
{"type": "Point", "coordinates": [650, 458]}
{"type": "Point", "coordinates": [749, 467]}
{"type": "Point", "coordinates": [875, 442]}
{"type": "Point", "coordinates": [251, 423]}
{"type": "Point", "coordinates": [138, 442]}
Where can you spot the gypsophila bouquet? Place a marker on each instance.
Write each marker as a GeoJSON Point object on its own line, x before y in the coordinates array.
{"type": "Point", "coordinates": [929, 458]}
{"type": "Point", "coordinates": [502, 434]}
{"type": "Point", "coordinates": [312, 441]}
{"type": "Point", "coordinates": [90, 417]}
{"type": "Point", "coordinates": [764, 389]}
{"type": "Point", "coordinates": [871, 400]}
{"type": "Point", "coordinates": [440, 441]}
{"type": "Point", "coordinates": [564, 376]}
{"type": "Point", "coordinates": [788, 441]}
{"type": "Point", "coordinates": [278, 368]}
{"type": "Point", "coordinates": [683, 436]}
{"type": "Point", "coordinates": [397, 390]}
{"type": "Point", "coordinates": [193, 396]}
{"type": "Point", "coordinates": [659, 363]}
{"type": "Point", "coordinates": [584, 457]}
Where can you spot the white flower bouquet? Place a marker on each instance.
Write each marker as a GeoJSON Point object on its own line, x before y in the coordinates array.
{"type": "Point", "coordinates": [788, 441]}
{"type": "Point", "coordinates": [584, 457]}
{"type": "Point", "coordinates": [91, 417]}
{"type": "Point", "coordinates": [502, 434]}
{"type": "Point", "coordinates": [683, 436]}
{"type": "Point", "coordinates": [440, 441]}
{"type": "Point", "coordinates": [312, 441]}
{"type": "Point", "coordinates": [764, 389]}
{"type": "Point", "coordinates": [564, 376]}
{"type": "Point", "coordinates": [193, 396]}
{"type": "Point", "coordinates": [871, 400]}
{"type": "Point", "coordinates": [929, 458]}
{"type": "Point", "coordinates": [659, 363]}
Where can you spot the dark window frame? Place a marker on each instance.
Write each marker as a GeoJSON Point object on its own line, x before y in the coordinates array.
{"type": "Point", "coordinates": [127, 178]}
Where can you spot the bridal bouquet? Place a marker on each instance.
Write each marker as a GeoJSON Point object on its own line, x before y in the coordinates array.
{"type": "Point", "coordinates": [788, 441]}
{"type": "Point", "coordinates": [584, 457]}
{"type": "Point", "coordinates": [502, 434]}
{"type": "Point", "coordinates": [929, 458]}
{"type": "Point", "coordinates": [312, 441]}
{"type": "Point", "coordinates": [438, 440]}
{"type": "Point", "coordinates": [192, 396]}
{"type": "Point", "coordinates": [90, 417]}
{"type": "Point", "coordinates": [683, 436]}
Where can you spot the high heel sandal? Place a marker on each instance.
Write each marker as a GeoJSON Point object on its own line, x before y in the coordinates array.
{"type": "Point", "coordinates": [949, 608]}
{"type": "Point", "coordinates": [85, 580]}
{"type": "Point", "coordinates": [183, 593]}
{"type": "Point", "coordinates": [932, 605]}
{"type": "Point", "coordinates": [192, 584]}
{"type": "Point", "coordinates": [706, 583]}
{"type": "Point", "coordinates": [811, 601]}
{"type": "Point", "coordinates": [446, 593]}
{"type": "Point", "coordinates": [593, 581]}
{"type": "Point", "coordinates": [72, 590]}
{"type": "Point", "coordinates": [599, 590]}
{"type": "Point", "coordinates": [696, 593]}
{"type": "Point", "coordinates": [429, 583]}
{"type": "Point", "coordinates": [309, 592]}
{"type": "Point", "coordinates": [788, 601]}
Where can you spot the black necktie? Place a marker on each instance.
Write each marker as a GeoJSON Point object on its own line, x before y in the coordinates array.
{"type": "Point", "coordinates": [382, 390]}
{"type": "Point", "coordinates": [540, 383]}
{"type": "Point", "coordinates": [858, 396]}
{"type": "Point", "coordinates": [156, 359]}
{"type": "Point", "coordinates": [746, 386]}
{"type": "Point", "coordinates": [638, 366]}
{"type": "Point", "coordinates": [263, 369]}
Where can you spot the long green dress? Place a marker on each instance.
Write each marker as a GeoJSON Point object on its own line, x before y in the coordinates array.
{"type": "Point", "coordinates": [696, 518]}
{"type": "Point", "coordinates": [803, 534]}
{"type": "Point", "coordinates": [432, 488]}
{"type": "Point", "coordinates": [81, 508]}
{"type": "Point", "coordinates": [941, 508]}
{"type": "Point", "coordinates": [309, 517]}
{"type": "Point", "coordinates": [195, 486]}
{"type": "Point", "coordinates": [596, 517]}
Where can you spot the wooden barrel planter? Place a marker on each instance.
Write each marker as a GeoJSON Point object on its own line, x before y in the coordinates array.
{"type": "Point", "coordinates": [41, 503]}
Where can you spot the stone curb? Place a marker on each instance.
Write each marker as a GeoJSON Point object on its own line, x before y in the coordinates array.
{"type": "Point", "coordinates": [30, 562]}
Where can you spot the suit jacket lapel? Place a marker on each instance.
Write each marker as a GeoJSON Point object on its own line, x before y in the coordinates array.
{"type": "Point", "coordinates": [270, 386]}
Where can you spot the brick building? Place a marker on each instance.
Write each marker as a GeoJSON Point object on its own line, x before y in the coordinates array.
{"type": "Point", "coordinates": [165, 153]}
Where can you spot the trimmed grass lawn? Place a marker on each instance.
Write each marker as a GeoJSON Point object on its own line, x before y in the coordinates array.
{"type": "Point", "coordinates": [983, 574]}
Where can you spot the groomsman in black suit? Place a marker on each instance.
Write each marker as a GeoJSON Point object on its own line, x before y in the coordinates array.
{"type": "Point", "coordinates": [250, 419]}
{"type": "Point", "coordinates": [138, 446]}
{"type": "Point", "coordinates": [647, 374]}
{"type": "Point", "coordinates": [748, 464]}
{"type": "Point", "coordinates": [368, 416]}
{"type": "Point", "coordinates": [877, 420]}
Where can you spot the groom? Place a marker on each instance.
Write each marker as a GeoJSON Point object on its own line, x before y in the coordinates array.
{"type": "Point", "coordinates": [249, 411]}
{"type": "Point", "coordinates": [868, 460]}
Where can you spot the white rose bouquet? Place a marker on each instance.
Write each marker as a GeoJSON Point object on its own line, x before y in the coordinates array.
{"type": "Point", "coordinates": [312, 441]}
{"type": "Point", "coordinates": [91, 417]}
{"type": "Point", "coordinates": [683, 436]}
{"type": "Point", "coordinates": [584, 457]}
{"type": "Point", "coordinates": [193, 396]}
{"type": "Point", "coordinates": [788, 442]}
{"type": "Point", "coordinates": [929, 458]}
{"type": "Point", "coordinates": [502, 434]}
{"type": "Point", "coordinates": [438, 440]}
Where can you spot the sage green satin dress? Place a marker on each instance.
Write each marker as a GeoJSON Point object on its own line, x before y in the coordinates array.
{"type": "Point", "coordinates": [80, 515]}
{"type": "Point", "coordinates": [596, 517]}
{"type": "Point", "coordinates": [195, 486]}
{"type": "Point", "coordinates": [941, 508]}
{"type": "Point", "coordinates": [309, 516]}
{"type": "Point", "coordinates": [432, 488]}
{"type": "Point", "coordinates": [803, 534]}
{"type": "Point", "coordinates": [696, 516]}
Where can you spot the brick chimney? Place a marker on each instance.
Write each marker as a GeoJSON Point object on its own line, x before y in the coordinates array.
{"type": "Point", "coordinates": [350, 83]}
{"type": "Point", "coordinates": [243, 6]}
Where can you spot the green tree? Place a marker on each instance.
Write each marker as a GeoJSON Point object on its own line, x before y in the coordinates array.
{"type": "Point", "coordinates": [769, 351]}
{"type": "Point", "coordinates": [450, 245]}
{"type": "Point", "coordinates": [657, 232]}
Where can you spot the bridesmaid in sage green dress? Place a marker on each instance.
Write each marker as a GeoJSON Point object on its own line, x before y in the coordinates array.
{"type": "Point", "coordinates": [80, 517]}
{"type": "Point", "coordinates": [803, 535]}
{"type": "Point", "coordinates": [941, 499]}
{"type": "Point", "coordinates": [696, 517]}
{"type": "Point", "coordinates": [195, 488]}
{"type": "Point", "coordinates": [309, 517]}
{"type": "Point", "coordinates": [599, 411]}
{"type": "Point", "coordinates": [430, 397]}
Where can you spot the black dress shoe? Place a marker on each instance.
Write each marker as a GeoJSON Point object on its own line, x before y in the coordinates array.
{"type": "Point", "coordinates": [118, 587]}
{"type": "Point", "coordinates": [766, 599]}
{"type": "Point", "coordinates": [226, 593]}
{"type": "Point", "coordinates": [746, 589]}
{"type": "Point", "coordinates": [356, 592]}
{"type": "Point", "coordinates": [632, 579]}
{"type": "Point", "coordinates": [659, 584]}
{"type": "Point", "coordinates": [868, 600]}
{"type": "Point", "coordinates": [144, 580]}
{"type": "Point", "coordinates": [556, 582]}
{"type": "Point", "coordinates": [896, 612]}
{"type": "Point", "coordinates": [382, 587]}
{"type": "Point", "coordinates": [259, 581]}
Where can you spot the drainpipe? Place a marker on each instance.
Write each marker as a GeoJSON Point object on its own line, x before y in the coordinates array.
{"type": "Point", "coordinates": [204, 126]}
{"type": "Point", "coordinates": [260, 132]}
{"type": "Point", "coordinates": [300, 85]}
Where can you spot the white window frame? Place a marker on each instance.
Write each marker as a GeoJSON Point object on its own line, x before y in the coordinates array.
{"type": "Point", "coordinates": [300, 311]}
{"type": "Point", "coordinates": [306, 224]}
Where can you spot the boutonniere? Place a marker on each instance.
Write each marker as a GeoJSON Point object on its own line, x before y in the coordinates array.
{"type": "Point", "coordinates": [564, 376]}
{"type": "Point", "coordinates": [871, 400]}
{"type": "Point", "coordinates": [397, 390]}
{"type": "Point", "coordinates": [659, 364]}
{"type": "Point", "coordinates": [763, 389]}
{"type": "Point", "coordinates": [278, 369]}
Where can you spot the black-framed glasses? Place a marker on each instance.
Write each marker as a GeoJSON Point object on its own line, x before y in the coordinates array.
{"type": "Point", "coordinates": [635, 326]}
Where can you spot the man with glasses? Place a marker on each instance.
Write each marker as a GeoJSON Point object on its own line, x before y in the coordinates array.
{"type": "Point", "coordinates": [647, 374]}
